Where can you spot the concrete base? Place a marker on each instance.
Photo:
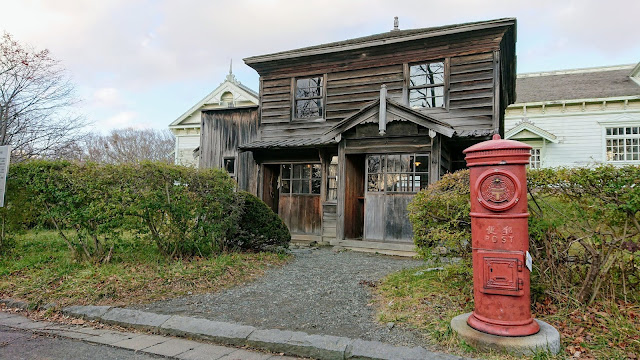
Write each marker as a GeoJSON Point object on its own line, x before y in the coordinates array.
{"type": "Point", "coordinates": [547, 339]}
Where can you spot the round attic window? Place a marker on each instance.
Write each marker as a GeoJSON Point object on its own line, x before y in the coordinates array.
{"type": "Point", "coordinates": [227, 98]}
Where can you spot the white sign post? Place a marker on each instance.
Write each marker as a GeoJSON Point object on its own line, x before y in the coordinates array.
{"type": "Point", "coordinates": [5, 153]}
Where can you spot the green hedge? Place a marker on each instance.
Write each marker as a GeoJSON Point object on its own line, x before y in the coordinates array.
{"type": "Point", "coordinates": [184, 211]}
{"type": "Point", "coordinates": [584, 228]}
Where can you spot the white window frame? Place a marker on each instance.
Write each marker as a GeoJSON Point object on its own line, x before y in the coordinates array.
{"type": "Point", "coordinates": [532, 162]}
{"type": "Point", "coordinates": [606, 137]}
{"type": "Point", "coordinates": [444, 85]}
{"type": "Point", "coordinates": [626, 120]}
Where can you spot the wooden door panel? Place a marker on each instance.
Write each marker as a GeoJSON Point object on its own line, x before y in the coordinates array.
{"type": "Point", "coordinates": [397, 224]}
{"type": "Point", "coordinates": [374, 216]}
{"type": "Point", "coordinates": [301, 213]}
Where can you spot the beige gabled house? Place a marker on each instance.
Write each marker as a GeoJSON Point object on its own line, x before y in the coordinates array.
{"type": "Point", "coordinates": [230, 94]}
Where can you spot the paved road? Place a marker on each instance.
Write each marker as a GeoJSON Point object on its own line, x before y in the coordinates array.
{"type": "Point", "coordinates": [23, 344]}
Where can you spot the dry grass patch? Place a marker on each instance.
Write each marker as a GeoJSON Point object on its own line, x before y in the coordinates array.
{"type": "Point", "coordinates": [428, 300]}
{"type": "Point", "coordinates": [39, 270]}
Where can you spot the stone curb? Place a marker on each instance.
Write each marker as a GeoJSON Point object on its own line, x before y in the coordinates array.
{"type": "Point", "coordinates": [171, 347]}
{"type": "Point", "coordinates": [14, 304]}
{"type": "Point", "coordinates": [294, 343]}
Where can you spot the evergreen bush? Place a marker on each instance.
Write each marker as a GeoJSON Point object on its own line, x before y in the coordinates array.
{"type": "Point", "coordinates": [259, 227]}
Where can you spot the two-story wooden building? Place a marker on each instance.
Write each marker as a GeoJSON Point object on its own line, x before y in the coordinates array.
{"type": "Point", "coordinates": [349, 131]}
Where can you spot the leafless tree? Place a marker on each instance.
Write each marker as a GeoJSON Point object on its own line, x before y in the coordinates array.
{"type": "Point", "coordinates": [128, 145]}
{"type": "Point", "coordinates": [37, 101]}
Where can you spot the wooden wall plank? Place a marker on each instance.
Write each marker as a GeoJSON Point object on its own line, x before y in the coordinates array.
{"type": "Point", "coordinates": [222, 132]}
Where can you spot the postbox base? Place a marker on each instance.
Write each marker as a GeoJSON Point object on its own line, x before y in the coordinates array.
{"type": "Point", "coordinates": [518, 329]}
{"type": "Point", "coordinates": [546, 340]}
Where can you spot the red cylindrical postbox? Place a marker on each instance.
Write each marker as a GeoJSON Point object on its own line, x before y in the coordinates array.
{"type": "Point", "coordinates": [500, 238]}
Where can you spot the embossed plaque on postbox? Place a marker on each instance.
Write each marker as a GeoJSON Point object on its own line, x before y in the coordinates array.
{"type": "Point", "coordinates": [498, 189]}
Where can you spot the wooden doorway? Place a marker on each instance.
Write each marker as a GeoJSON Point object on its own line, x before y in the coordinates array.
{"type": "Point", "coordinates": [392, 181]}
{"type": "Point", "coordinates": [270, 190]}
{"type": "Point", "coordinates": [292, 190]}
{"type": "Point", "coordinates": [354, 196]}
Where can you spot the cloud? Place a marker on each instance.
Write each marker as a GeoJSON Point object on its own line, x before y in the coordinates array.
{"type": "Point", "coordinates": [136, 47]}
{"type": "Point", "coordinates": [141, 43]}
{"type": "Point", "coordinates": [107, 97]}
{"type": "Point", "coordinates": [120, 120]}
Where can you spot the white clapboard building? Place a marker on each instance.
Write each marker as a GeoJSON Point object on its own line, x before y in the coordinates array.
{"type": "Point", "coordinates": [580, 117]}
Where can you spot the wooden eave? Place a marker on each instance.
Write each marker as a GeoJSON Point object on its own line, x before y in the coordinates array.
{"type": "Point", "coordinates": [233, 108]}
{"type": "Point", "coordinates": [395, 108]}
{"type": "Point", "coordinates": [384, 39]}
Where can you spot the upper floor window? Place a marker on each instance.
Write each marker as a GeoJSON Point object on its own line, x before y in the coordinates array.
{"type": "Point", "coordinates": [308, 97]}
{"type": "Point", "coordinates": [426, 85]}
{"type": "Point", "coordinates": [623, 143]}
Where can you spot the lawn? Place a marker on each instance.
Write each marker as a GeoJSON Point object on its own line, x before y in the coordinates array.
{"type": "Point", "coordinates": [38, 269]}
{"type": "Point", "coordinates": [428, 300]}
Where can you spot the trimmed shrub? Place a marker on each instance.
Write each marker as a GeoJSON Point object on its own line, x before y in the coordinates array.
{"type": "Point", "coordinates": [259, 227]}
{"type": "Point", "coordinates": [72, 198]}
{"type": "Point", "coordinates": [440, 217]}
{"type": "Point", "coordinates": [185, 211]}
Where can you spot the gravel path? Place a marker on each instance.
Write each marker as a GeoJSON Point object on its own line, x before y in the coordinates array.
{"type": "Point", "coordinates": [320, 292]}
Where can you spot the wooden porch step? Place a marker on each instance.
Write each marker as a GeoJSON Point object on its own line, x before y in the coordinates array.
{"type": "Point", "coordinates": [397, 249]}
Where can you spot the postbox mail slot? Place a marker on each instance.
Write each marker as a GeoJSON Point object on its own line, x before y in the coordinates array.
{"type": "Point", "coordinates": [502, 272]}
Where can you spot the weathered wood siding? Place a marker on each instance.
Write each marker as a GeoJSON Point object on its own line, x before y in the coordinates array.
{"type": "Point", "coordinates": [301, 213]}
{"type": "Point", "coordinates": [223, 131]}
{"type": "Point", "coordinates": [387, 218]}
{"type": "Point", "coordinates": [353, 79]}
{"type": "Point", "coordinates": [471, 91]}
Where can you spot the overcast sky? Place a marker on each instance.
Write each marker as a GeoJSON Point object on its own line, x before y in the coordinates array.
{"type": "Point", "coordinates": [143, 63]}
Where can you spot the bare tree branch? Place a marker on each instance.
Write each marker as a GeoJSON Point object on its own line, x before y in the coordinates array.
{"type": "Point", "coordinates": [37, 100]}
{"type": "Point", "coordinates": [127, 146]}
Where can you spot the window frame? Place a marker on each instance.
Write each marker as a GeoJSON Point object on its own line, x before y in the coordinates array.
{"type": "Point", "coordinates": [291, 178]}
{"type": "Point", "coordinates": [235, 163]}
{"type": "Point", "coordinates": [537, 149]}
{"type": "Point", "coordinates": [294, 98]}
{"type": "Point", "coordinates": [445, 83]}
{"type": "Point", "coordinates": [329, 177]}
{"type": "Point", "coordinates": [384, 173]}
{"type": "Point", "coordinates": [624, 137]}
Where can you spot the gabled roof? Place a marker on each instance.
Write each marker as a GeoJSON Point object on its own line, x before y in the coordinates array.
{"type": "Point", "coordinates": [405, 113]}
{"type": "Point", "coordinates": [381, 39]}
{"type": "Point", "coordinates": [590, 83]}
{"type": "Point", "coordinates": [526, 129]}
{"type": "Point", "coordinates": [230, 84]}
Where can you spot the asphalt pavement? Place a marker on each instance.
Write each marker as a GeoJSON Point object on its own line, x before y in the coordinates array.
{"type": "Point", "coordinates": [22, 345]}
{"type": "Point", "coordinates": [23, 338]}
